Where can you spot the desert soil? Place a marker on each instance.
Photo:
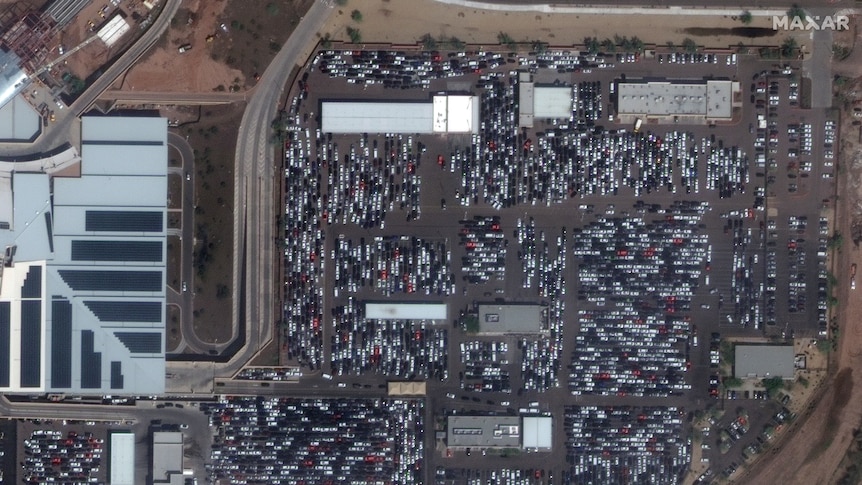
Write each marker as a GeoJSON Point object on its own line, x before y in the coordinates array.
{"type": "Point", "coordinates": [165, 69]}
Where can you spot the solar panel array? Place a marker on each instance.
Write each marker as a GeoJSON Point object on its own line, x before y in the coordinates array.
{"type": "Point", "coordinates": [123, 221]}
{"type": "Point", "coordinates": [126, 311]}
{"type": "Point", "coordinates": [116, 375]}
{"type": "Point", "coordinates": [61, 344]}
{"type": "Point", "coordinates": [91, 362]}
{"type": "Point", "coordinates": [141, 342]}
{"type": "Point", "coordinates": [139, 251]}
{"type": "Point", "coordinates": [31, 343]}
{"type": "Point", "coordinates": [93, 280]}
{"type": "Point", "coordinates": [5, 339]}
{"type": "Point", "coordinates": [32, 283]}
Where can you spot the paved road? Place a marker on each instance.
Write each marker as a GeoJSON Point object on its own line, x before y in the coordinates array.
{"type": "Point", "coordinates": [254, 190]}
{"type": "Point", "coordinates": [169, 97]}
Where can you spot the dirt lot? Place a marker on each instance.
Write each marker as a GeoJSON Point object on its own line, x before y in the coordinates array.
{"type": "Point", "coordinates": [221, 58]}
{"type": "Point", "coordinates": [414, 18]}
{"type": "Point", "coordinates": [214, 160]}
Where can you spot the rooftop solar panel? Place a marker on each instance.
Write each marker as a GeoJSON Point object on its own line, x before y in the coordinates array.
{"type": "Point", "coordinates": [91, 362]}
{"type": "Point", "coordinates": [116, 375]}
{"type": "Point", "coordinates": [32, 283]}
{"type": "Point", "coordinates": [61, 344]}
{"type": "Point", "coordinates": [93, 280]}
{"type": "Point", "coordinates": [147, 251]}
{"type": "Point", "coordinates": [124, 221]}
{"type": "Point", "coordinates": [126, 311]}
{"type": "Point", "coordinates": [141, 342]}
{"type": "Point", "coordinates": [31, 343]}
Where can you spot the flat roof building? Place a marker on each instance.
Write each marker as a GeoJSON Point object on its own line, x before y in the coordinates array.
{"type": "Point", "coordinates": [407, 388]}
{"type": "Point", "coordinates": [512, 319]}
{"type": "Point", "coordinates": [443, 114]}
{"type": "Point", "coordinates": [19, 122]}
{"type": "Point", "coordinates": [405, 311]}
{"type": "Point", "coordinates": [122, 465]}
{"type": "Point", "coordinates": [483, 431]}
{"type": "Point", "coordinates": [538, 433]}
{"type": "Point", "coordinates": [552, 102]}
{"type": "Point", "coordinates": [167, 464]}
{"type": "Point", "coordinates": [764, 361]}
{"type": "Point", "coordinates": [707, 100]}
{"type": "Point", "coordinates": [82, 279]}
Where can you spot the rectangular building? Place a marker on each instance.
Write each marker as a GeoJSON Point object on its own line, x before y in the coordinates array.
{"type": "Point", "coordinates": [167, 459]}
{"type": "Point", "coordinates": [122, 465]}
{"type": "Point", "coordinates": [552, 102]}
{"type": "Point", "coordinates": [443, 114]}
{"type": "Point", "coordinates": [82, 288]}
{"type": "Point", "coordinates": [512, 319]}
{"type": "Point", "coordinates": [406, 311]}
{"type": "Point", "coordinates": [707, 100]}
{"type": "Point", "coordinates": [538, 433]}
{"type": "Point", "coordinates": [483, 432]}
{"type": "Point", "coordinates": [764, 361]}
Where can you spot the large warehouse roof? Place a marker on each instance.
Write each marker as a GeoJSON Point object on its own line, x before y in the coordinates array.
{"type": "Point", "coordinates": [376, 117]}
{"type": "Point", "coordinates": [167, 464]}
{"type": "Point", "coordinates": [113, 30]}
{"type": "Point", "coordinates": [710, 99]}
{"type": "Point", "coordinates": [484, 431]}
{"type": "Point", "coordinates": [122, 466]}
{"type": "Point", "coordinates": [19, 122]}
{"type": "Point", "coordinates": [763, 361]}
{"type": "Point", "coordinates": [456, 114]}
{"type": "Point", "coordinates": [512, 319]}
{"type": "Point", "coordinates": [82, 297]}
{"type": "Point", "coordinates": [537, 432]}
{"type": "Point", "coordinates": [405, 311]}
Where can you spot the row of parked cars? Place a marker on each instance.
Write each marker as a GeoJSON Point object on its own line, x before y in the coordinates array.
{"type": "Point", "coordinates": [485, 366]}
{"type": "Point", "coordinates": [395, 348]}
{"type": "Point", "coordinates": [51, 456]}
{"type": "Point", "coordinates": [391, 265]}
{"type": "Point", "coordinates": [269, 374]}
{"type": "Point", "coordinates": [484, 249]}
{"type": "Point", "coordinates": [625, 445]}
{"type": "Point", "coordinates": [641, 277]}
{"type": "Point", "coordinates": [296, 441]}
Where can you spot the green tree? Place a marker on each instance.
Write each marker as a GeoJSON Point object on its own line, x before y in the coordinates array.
{"type": "Point", "coordinates": [354, 34]}
{"type": "Point", "coordinates": [539, 46]}
{"type": "Point", "coordinates": [341, 3]}
{"type": "Point", "coordinates": [796, 12]}
{"type": "Point", "coordinates": [591, 44]}
{"type": "Point", "coordinates": [326, 41]}
{"type": "Point", "coordinates": [746, 17]}
{"type": "Point", "coordinates": [733, 382]}
{"type": "Point", "coordinates": [609, 46]}
{"type": "Point", "coordinates": [789, 47]}
{"type": "Point", "coordinates": [689, 45]}
{"type": "Point", "coordinates": [356, 15]}
{"type": "Point", "coordinates": [772, 385]}
{"type": "Point", "coordinates": [836, 241]}
{"type": "Point", "coordinates": [637, 45]}
{"type": "Point", "coordinates": [471, 323]}
{"type": "Point", "coordinates": [429, 43]}
{"type": "Point", "coordinates": [456, 43]}
{"type": "Point", "coordinates": [272, 9]}
{"type": "Point", "coordinates": [506, 40]}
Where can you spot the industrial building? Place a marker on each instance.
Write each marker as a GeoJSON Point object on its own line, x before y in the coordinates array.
{"type": "Point", "coordinates": [82, 279]}
{"type": "Point", "coordinates": [512, 319]}
{"type": "Point", "coordinates": [166, 467]}
{"type": "Point", "coordinates": [764, 361]}
{"type": "Point", "coordinates": [666, 101]}
{"type": "Point", "coordinates": [529, 432]}
{"type": "Point", "coordinates": [405, 311]}
{"type": "Point", "coordinates": [122, 465]}
{"type": "Point", "coordinates": [483, 432]}
{"type": "Point", "coordinates": [443, 114]}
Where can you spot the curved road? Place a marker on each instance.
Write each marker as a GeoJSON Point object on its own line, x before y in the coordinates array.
{"type": "Point", "coordinates": [255, 180]}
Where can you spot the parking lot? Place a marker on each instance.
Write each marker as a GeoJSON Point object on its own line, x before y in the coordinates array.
{"type": "Point", "coordinates": [640, 243]}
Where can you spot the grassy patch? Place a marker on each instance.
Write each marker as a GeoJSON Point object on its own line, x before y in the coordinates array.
{"type": "Point", "coordinates": [173, 335]}
{"type": "Point", "coordinates": [174, 259]}
{"type": "Point", "coordinates": [175, 191]}
{"type": "Point", "coordinates": [268, 356]}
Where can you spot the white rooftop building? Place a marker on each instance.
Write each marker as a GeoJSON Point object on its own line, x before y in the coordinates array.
{"type": "Point", "coordinates": [122, 464]}
{"type": "Point", "coordinates": [443, 114]}
{"type": "Point", "coordinates": [405, 311]}
{"type": "Point", "coordinates": [710, 100]}
{"type": "Point", "coordinates": [82, 279]}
